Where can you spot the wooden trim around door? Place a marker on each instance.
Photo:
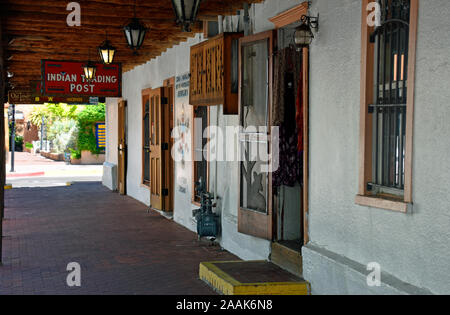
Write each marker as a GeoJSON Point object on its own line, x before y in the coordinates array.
{"type": "Point", "coordinates": [290, 16]}
{"type": "Point", "coordinates": [145, 96]}
{"type": "Point", "coordinates": [305, 74]}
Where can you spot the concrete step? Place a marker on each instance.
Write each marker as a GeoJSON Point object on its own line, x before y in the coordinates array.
{"type": "Point", "coordinates": [252, 278]}
{"type": "Point", "coordinates": [288, 257]}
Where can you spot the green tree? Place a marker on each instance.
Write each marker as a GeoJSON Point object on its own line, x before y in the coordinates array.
{"type": "Point", "coordinates": [52, 113]}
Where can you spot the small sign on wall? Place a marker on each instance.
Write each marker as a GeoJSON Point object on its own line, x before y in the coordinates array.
{"type": "Point", "coordinates": [100, 135]}
{"type": "Point", "coordinates": [183, 125]}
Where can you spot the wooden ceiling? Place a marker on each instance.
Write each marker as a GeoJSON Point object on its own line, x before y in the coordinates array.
{"type": "Point", "coordinates": [35, 30]}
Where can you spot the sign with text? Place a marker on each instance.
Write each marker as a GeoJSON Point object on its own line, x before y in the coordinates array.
{"type": "Point", "coordinates": [27, 97]}
{"type": "Point", "coordinates": [67, 78]}
{"type": "Point", "coordinates": [18, 97]}
{"type": "Point", "coordinates": [34, 96]}
{"type": "Point", "coordinates": [100, 135]}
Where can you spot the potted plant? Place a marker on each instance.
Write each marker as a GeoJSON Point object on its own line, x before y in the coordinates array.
{"type": "Point", "coordinates": [75, 157]}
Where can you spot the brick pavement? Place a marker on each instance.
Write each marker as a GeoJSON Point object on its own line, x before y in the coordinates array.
{"type": "Point", "coordinates": [121, 248]}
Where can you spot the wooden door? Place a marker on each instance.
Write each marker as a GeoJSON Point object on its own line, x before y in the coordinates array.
{"type": "Point", "coordinates": [169, 111]}
{"type": "Point", "coordinates": [122, 148]}
{"type": "Point", "coordinates": [255, 214]}
{"type": "Point", "coordinates": [159, 147]}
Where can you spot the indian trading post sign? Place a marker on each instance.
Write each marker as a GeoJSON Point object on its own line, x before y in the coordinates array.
{"type": "Point", "coordinates": [67, 78]}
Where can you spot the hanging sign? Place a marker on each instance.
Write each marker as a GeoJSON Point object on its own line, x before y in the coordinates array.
{"type": "Point", "coordinates": [18, 97]}
{"type": "Point", "coordinates": [38, 98]}
{"type": "Point", "coordinates": [67, 78]}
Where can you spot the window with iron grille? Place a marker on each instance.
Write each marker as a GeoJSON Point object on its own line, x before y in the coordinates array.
{"type": "Point", "coordinates": [391, 41]}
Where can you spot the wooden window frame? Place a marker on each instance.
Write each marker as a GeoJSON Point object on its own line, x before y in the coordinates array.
{"type": "Point", "coordinates": [366, 126]}
{"type": "Point", "coordinates": [145, 96]}
{"type": "Point", "coordinates": [195, 202]}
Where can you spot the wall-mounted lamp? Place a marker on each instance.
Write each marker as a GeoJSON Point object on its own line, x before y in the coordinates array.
{"type": "Point", "coordinates": [303, 34]}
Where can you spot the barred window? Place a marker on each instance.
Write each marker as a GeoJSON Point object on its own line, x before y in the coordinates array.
{"type": "Point", "coordinates": [391, 41]}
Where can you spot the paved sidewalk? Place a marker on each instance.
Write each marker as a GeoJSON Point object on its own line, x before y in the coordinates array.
{"type": "Point", "coordinates": [30, 165]}
{"type": "Point", "coordinates": [36, 171]}
{"type": "Point", "coordinates": [121, 248]}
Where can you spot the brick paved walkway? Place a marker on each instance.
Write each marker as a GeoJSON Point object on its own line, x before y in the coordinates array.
{"type": "Point", "coordinates": [121, 248]}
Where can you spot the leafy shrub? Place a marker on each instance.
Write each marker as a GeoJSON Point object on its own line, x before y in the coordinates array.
{"type": "Point", "coordinates": [29, 145]}
{"type": "Point", "coordinates": [19, 143]}
{"type": "Point", "coordinates": [86, 126]}
{"type": "Point", "coordinates": [75, 154]}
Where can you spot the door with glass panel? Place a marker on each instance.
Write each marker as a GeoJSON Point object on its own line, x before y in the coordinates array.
{"type": "Point", "coordinates": [255, 178]}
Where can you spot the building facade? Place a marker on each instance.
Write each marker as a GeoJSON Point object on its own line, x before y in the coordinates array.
{"type": "Point", "coordinates": [342, 226]}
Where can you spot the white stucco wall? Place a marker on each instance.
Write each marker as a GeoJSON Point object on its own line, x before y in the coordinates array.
{"type": "Point", "coordinates": [109, 178]}
{"type": "Point", "coordinates": [175, 62]}
{"type": "Point", "coordinates": [412, 247]}
{"type": "Point", "coordinates": [111, 130]}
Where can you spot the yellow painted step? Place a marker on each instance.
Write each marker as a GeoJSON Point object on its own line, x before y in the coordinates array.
{"type": "Point", "coordinates": [251, 278]}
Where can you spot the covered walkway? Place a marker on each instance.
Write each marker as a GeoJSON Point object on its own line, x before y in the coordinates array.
{"type": "Point", "coordinates": [121, 248]}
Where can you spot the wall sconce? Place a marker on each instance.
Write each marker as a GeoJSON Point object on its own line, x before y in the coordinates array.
{"type": "Point", "coordinates": [303, 34]}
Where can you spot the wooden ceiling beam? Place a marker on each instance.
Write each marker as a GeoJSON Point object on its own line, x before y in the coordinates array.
{"type": "Point", "coordinates": [37, 30]}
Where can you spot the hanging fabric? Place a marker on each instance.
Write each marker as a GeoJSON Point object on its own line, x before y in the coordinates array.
{"type": "Point", "coordinates": [285, 114]}
{"type": "Point", "coordinates": [287, 62]}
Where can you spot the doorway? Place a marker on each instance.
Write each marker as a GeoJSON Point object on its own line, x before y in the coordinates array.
{"type": "Point", "coordinates": [158, 164]}
{"type": "Point", "coordinates": [123, 148]}
{"type": "Point", "coordinates": [291, 70]}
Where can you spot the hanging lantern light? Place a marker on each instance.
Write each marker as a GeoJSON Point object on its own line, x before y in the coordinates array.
{"type": "Point", "coordinates": [107, 51]}
{"type": "Point", "coordinates": [89, 69]}
{"type": "Point", "coordinates": [135, 32]}
{"type": "Point", "coordinates": [303, 34]}
{"type": "Point", "coordinates": [186, 12]}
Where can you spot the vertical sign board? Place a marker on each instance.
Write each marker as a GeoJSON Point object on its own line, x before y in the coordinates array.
{"type": "Point", "coordinates": [100, 135]}
{"type": "Point", "coordinates": [182, 135]}
{"type": "Point", "coordinates": [67, 78]}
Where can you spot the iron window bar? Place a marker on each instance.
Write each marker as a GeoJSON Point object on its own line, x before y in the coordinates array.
{"type": "Point", "coordinates": [389, 109]}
